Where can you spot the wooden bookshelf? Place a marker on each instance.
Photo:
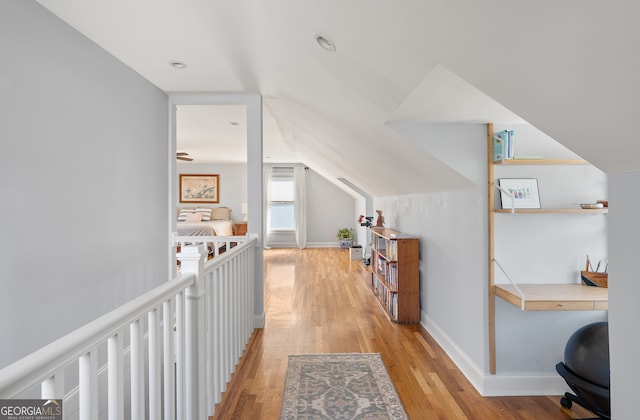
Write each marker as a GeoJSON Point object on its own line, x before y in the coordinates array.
{"type": "Point", "coordinates": [395, 274]}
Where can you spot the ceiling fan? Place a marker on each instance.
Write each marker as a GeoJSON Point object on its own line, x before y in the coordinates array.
{"type": "Point", "coordinates": [183, 156]}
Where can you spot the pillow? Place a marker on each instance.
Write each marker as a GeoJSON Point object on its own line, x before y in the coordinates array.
{"type": "Point", "coordinates": [220, 213]}
{"type": "Point", "coordinates": [206, 214]}
{"type": "Point", "coordinates": [193, 217]}
{"type": "Point", "coordinates": [182, 214]}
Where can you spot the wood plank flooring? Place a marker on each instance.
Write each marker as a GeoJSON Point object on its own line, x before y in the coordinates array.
{"type": "Point", "coordinates": [317, 301]}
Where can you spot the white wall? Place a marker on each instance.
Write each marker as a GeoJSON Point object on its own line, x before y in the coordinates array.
{"type": "Point", "coordinates": [233, 184]}
{"type": "Point", "coordinates": [83, 181]}
{"type": "Point", "coordinates": [328, 209]}
{"type": "Point", "coordinates": [452, 226]}
{"type": "Point", "coordinates": [624, 311]}
{"type": "Point", "coordinates": [452, 267]}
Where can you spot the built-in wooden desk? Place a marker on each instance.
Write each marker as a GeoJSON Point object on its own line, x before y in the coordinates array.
{"type": "Point", "coordinates": [555, 297]}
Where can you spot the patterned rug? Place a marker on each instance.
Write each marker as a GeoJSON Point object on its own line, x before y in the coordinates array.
{"type": "Point", "coordinates": [339, 386]}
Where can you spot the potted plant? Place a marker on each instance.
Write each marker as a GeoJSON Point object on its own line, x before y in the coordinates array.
{"type": "Point", "coordinates": [345, 235]}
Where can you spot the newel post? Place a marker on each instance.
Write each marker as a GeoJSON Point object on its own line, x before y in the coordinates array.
{"type": "Point", "coordinates": [192, 260]}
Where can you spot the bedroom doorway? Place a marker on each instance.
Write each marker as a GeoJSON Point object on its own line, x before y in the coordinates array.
{"type": "Point", "coordinates": [211, 151]}
{"type": "Point", "coordinates": [222, 133]}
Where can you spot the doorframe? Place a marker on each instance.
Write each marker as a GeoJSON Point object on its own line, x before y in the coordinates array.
{"type": "Point", "coordinates": [253, 106]}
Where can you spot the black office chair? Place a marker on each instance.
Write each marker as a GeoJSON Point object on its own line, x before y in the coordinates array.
{"type": "Point", "coordinates": [586, 369]}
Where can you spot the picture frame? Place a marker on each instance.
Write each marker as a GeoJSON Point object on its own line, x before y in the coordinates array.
{"type": "Point", "coordinates": [199, 188]}
{"type": "Point", "coordinates": [519, 193]}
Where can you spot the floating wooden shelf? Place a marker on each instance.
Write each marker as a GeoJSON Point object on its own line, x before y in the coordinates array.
{"type": "Point", "coordinates": [555, 297]}
{"type": "Point", "coordinates": [541, 162]}
{"type": "Point", "coordinates": [565, 211]}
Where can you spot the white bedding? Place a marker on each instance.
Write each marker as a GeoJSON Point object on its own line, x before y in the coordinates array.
{"type": "Point", "coordinates": [212, 228]}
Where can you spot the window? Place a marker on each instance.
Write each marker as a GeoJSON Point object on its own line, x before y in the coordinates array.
{"type": "Point", "coordinates": [285, 204]}
{"type": "Point", "coordinates": [282, 200]}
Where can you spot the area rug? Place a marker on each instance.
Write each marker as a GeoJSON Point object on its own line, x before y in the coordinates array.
{"type": "Point", "coordinates": [339, 387]}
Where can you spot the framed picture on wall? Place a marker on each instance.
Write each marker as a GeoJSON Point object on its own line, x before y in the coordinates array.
{"type": "Point", "coordinates": [519, 193]}
{"type": "Point", "coordinates": [199, 188]}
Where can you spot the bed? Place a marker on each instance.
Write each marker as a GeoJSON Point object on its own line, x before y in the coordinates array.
{"type": "Point", "coordinates": [210, 228]}
{"type": "Point", "coordinates": [201, 221]}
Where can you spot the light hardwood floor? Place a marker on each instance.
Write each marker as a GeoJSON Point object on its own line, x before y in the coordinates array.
{"type": "Point", "coordinates": [317, 301]}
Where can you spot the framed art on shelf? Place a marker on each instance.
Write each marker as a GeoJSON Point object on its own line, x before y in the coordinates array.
{"type": "Point", "coordinates": [199, 188]}
{"type": "Point", "coordinates": [519, 193]}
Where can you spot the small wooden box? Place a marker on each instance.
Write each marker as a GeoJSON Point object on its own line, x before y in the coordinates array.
{"type": "Point", "coordinates": [591, 278]}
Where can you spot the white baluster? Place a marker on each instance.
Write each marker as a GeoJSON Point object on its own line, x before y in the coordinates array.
{"type": "Point", "coordinates": [216, 295]}
{"type": "Point", "coordinates": [88, 386]}
{"type": "Point", "coordinates": [180, 396]}
{"type": "Point", "coordinates": [115, 378]}
{"type": "Point", "coordinates": [168, 363]}
{"type": "Point", "coordinates": [154, 365]}
{"type": "Point", "coordinates": [53, 388]}
{"type": "Point", "coordinates": [192, 261]}
{"type": "Point", "coordinates": [227, 327]}
{"type": "Point", "coordinates": [137, 371]}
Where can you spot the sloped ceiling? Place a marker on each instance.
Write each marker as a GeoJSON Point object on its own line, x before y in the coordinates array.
{"type": "Point", "coordinates": [570, 68]}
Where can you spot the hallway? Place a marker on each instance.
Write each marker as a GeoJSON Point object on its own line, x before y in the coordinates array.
{"type": "Point", "coordinates": [317, 301]}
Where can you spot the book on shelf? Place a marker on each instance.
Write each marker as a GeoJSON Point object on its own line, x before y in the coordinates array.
{"type": "Point", "coordinates": [498, 148]}
{"type": "Point", "coordinates": [503, 145]}
{"type": "Point", "coordinates": [392, 276]}
{"type": "Point", "coordinates": [382, 266]}
{"type": "Point", "coordinates": [392, 250]}
{"type": "Point", "coordinates": [387, 298]}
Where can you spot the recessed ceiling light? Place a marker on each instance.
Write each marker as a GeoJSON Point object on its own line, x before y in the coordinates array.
{"type": "Point", "coordinates": [178, 64]}
{"type": "Point", "coordinates": [325, 42]}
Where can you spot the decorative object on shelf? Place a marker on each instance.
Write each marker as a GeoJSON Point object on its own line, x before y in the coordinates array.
{"type": "Point", "coordinates": [199, 188]}
{"type": "Point", "coordinates": [591, 206]}
{"type": "Point", "coordinates": [346, 237]}
{"type": "Point", "coordinates": [591, 277]}
{"type": "Point", "coordinates": [380, 219]}
{"type": "Point", "coordinates": [519, 193]}
{"type": "Point", "coordinates": [365, 220]}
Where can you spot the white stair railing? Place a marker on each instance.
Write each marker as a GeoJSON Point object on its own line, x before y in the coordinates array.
{"type": "Point", "coordinates": [229, 317]}
{"type": "Point", "coordinates": [169, 353]}
{"type": "Point", "coordinates": [216, 245]}
{"type": "Point", "coordinates": [79, 350]}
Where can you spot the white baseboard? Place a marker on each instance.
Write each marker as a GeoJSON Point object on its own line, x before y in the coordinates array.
{"type": "Point", "coordinates": [511, 384]}
{"type": "Point", "coordinates": [259, 320]}
{"type": "Point", "coordinates": [323, 245]}
{"type": "Point", "coordinates": [309, 245]}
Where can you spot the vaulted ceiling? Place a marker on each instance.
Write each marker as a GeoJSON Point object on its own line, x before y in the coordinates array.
{"type": "Point", "coordinates": [570, 68]}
